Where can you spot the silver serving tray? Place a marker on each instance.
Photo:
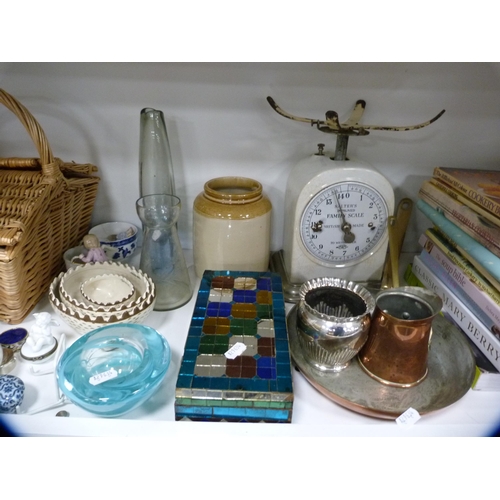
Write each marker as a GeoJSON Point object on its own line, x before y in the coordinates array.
{"type": "Point", "coordinates": [451, 366]}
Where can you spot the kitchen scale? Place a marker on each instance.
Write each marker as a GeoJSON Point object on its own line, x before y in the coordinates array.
{"type": "Point", "coordinates": [338, 211]}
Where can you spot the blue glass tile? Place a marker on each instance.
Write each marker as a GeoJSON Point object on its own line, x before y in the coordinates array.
{"type": "Point", "coordinates": [266, 367]}
{"type": "Point", "coordinates": [281, 345]}
{"type": "Point", "coordinates": [187, 366]}
{"type": "Point", "coordinates": [197, 321]}
{"type": "Point", "coordinates": [221, 383]}
{"type": "Point", "coordinates": [243, 384]}
{"type": "Point", "coordinates": [192, 343]}
{"type": "Point", "coordinates": [188, 411]}
{"type": "Point", "coordinates": [200, 383]}
{"type": "Point", "coordinates": [284, 385]}
{"type": "Point", "coordinates": [283, 369]}
{"type": "Point", "coordinates": [245, 296]}
{"type": "Point", "coordinates": [219, 309]}
{"type": "Point", "coordinates": [260, 385]}
{"type": "Point", "coordinates": [184, 381]}
{"type": "Point", "coordinates": [189, 360]}
{"type": "Point", "coordinates": [264, 284]}
{"type": "Point", "coordinates": [283, 357]}
{"type": "Point", "coordinates": [195, 332]}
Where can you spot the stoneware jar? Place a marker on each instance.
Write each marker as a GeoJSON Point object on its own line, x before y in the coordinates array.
{"type": "Point", "coordinates": [231, 226]}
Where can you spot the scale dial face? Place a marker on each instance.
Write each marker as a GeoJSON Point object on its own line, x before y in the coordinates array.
{"type": "Point", "coordinates": [343, 223]}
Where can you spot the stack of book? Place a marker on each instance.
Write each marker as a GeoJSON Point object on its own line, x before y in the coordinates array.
{"type": "Point", "coordinates": [460, 257]}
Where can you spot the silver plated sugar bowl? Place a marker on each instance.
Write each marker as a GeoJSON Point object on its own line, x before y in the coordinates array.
{"type": "Point", "coordinates": [333, 321]}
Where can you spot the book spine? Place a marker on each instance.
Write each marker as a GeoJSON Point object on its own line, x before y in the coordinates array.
{"type": "Point", "coordinates": [462, 240]}
{"type": "Point", "coordinates": [470, 192]}
{"type": "Point", "coordinates": [463, 259]}
{"type": "Point", "coordinates": [463, 216]}
{"type": "Point", "coordinates": [484, 297]}
{"type": "Point", "coordinates": [462, 315]}
{"type": "Point", "coordinates": [490, 320]}
{"type": "Point", "coordinates": [445, 188]}
{"type": "Point", "coordinates": [436, 269]}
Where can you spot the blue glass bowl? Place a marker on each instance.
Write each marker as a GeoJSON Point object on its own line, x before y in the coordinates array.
{"type": "Point", "coordinates": [114, 369]}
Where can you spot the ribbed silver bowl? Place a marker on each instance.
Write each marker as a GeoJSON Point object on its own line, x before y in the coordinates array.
{"type": "Point", "coordinates": [333, 321]}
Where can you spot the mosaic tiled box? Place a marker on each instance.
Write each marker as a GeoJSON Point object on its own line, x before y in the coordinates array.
{"type": "Point", "coordinates": [235, 308]}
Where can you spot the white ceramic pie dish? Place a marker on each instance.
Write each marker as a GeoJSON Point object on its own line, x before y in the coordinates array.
{"type": "Point", "coordinates": [67, 299]}
{"type": "Point", "coordinates": [86, 321]}
{"type": "Point", "coordinates": [70, 286]}
{"type": "Point", "coordinates": [107, 289]}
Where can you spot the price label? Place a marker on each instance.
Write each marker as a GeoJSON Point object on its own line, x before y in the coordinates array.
{"type": "Point", "coordinates": [409, 417]}
{"type": "Point", "coordinates": [236, 350]}
{"type": "Point", "coordinates": [103, 377]}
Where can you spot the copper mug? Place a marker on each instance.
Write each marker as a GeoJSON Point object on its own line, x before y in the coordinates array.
{"type": "Point", "coordinates": [396, 351]}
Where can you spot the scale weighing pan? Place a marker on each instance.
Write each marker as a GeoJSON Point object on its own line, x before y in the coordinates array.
{"type": "Point", "coordinates": [451, 366]}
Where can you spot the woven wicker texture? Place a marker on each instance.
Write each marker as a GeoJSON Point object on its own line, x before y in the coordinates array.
{"type": "Point", "coordinates": [45, 208]}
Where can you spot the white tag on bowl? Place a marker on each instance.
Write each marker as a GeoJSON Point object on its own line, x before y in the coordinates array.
{"type": "Point", "coordinates": [103, 377]}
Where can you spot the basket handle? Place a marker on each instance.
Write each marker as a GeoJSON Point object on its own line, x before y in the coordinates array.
{"type": "Point", "coordinates": [49, 166]}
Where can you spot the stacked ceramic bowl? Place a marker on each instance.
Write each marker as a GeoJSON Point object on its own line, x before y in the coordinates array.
{"type": "Point", "coordinates": [102, 293]}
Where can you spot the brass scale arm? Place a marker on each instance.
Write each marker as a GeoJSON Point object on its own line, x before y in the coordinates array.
{"type": "Point", "coordinates": [397, 224]}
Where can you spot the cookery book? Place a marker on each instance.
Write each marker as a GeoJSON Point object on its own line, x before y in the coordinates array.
{"type": "Point", "coordinates": [462, 312]}
{"type": "Point", "coordinates": [481, 186]}
{"type": "Point", "coordinates": [462, 198]}
{"type": "Point", "coordinates": [476, 226]}
{"type": "Point", "coordinates": [464, 275]}
{"type": "Point", "coordinates": [487, 263]}
{"type": "Point", "coordinates": [434, 237]}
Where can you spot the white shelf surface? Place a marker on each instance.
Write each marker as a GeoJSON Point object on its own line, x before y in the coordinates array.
{"type": "Point", "coordinates": [476, 414]}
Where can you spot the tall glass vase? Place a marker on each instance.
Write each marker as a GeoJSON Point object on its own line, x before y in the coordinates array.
{"type": "Point", "coordinates": [156, 172]}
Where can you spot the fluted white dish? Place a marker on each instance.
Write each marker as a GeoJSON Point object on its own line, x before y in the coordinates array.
{"type": "Point", "coordinates": [70, 286]}
{"type": "Point", "coordinates": [107, 289]}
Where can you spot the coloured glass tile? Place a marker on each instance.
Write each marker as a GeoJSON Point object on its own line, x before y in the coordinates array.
{"type": "Point", "coordinates": [265, 328]}
{"type": "Point", "coordinates": [235, 308]}
{"type": "Point", "coordinates": [216, 325]}
{"type": "Point", "coordinates": [249, 296]}
{"type": "Point", "coordinates": [266, 347]}
{"type": "Point", "coordinates": [264, 312]}
{"type": "Point", "coordinates": [241, 367]}
{"type": "Point", "coordinates": [245, 283]}
{"type": "Point", "coordinates": [264, 297]}
{"type": "Point", "coordinates": [218, 309]}
{"type": "Point", "coordinates": [243, 310]}
{"type": "Point", "coordinates": [222, 282]}
{"type": "Point", "coordinates": [220, 295]}
{"type": "Point", "coordinates": [242, 326]}
{"type": "Point", "coordinates": [213, 344]}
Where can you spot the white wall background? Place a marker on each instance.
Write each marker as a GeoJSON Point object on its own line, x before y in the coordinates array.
{"type": "Point", "coordinates": [219, 122]}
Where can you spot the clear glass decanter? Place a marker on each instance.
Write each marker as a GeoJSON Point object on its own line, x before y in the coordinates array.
{"type": "Point", "coordinates": [162, 257]}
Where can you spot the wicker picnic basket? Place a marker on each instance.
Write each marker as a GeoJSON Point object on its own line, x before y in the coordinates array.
{"type": "Point", "coordinates": [45, 208]}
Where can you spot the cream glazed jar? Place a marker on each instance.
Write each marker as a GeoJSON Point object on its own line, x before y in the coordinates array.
{"type": "Point", "coordinates": [231, 226]}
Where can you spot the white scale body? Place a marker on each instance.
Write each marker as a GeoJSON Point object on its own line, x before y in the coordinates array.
{"type": "Point", "coordinates": [314, 242]}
